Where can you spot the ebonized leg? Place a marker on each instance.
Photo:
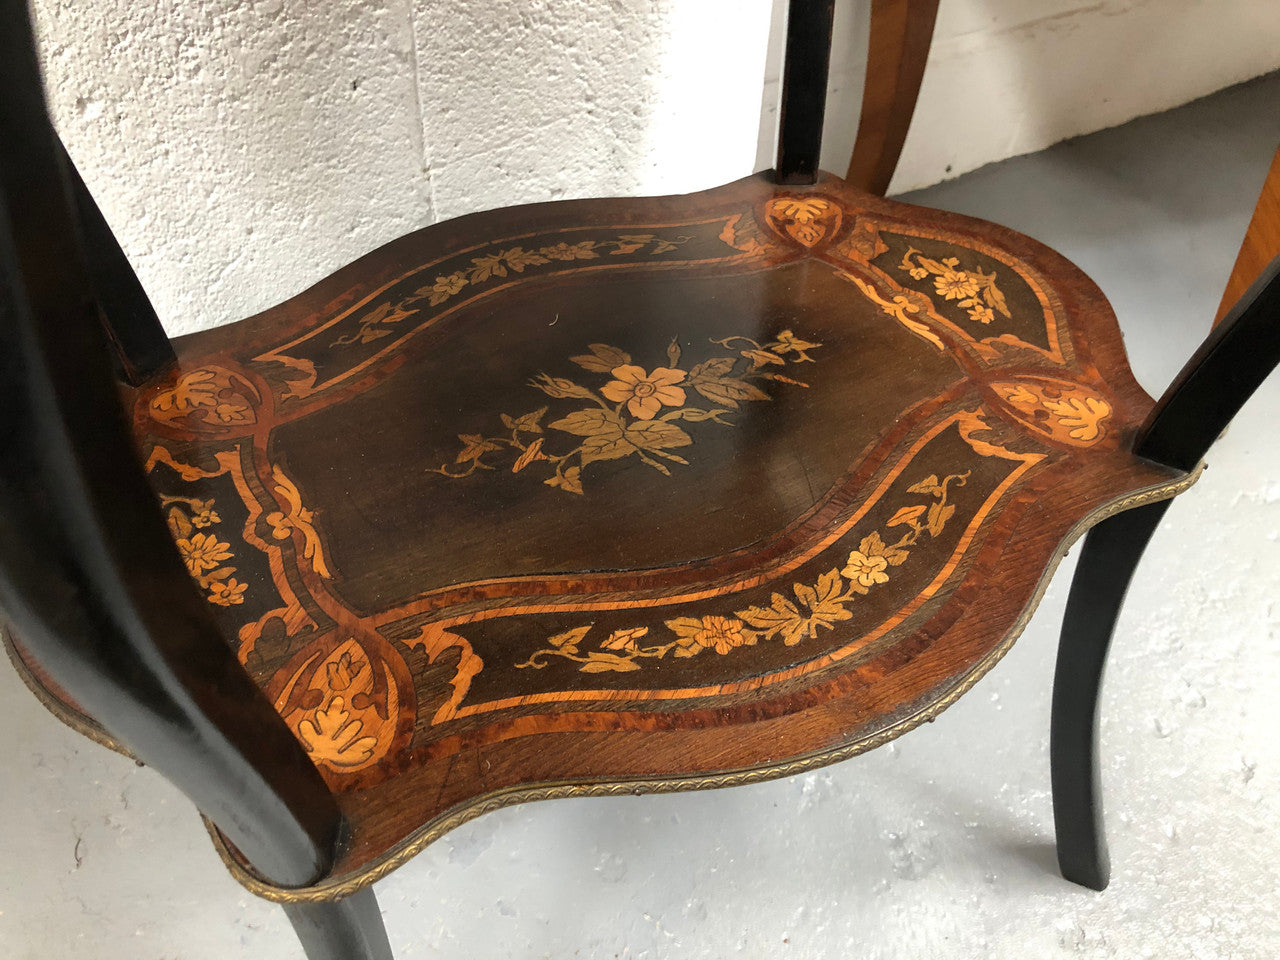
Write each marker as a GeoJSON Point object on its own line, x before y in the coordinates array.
{"type": "Point", "coordinates": [1110, 553]}
{"type": "Point", "coordinates": [349, 929]}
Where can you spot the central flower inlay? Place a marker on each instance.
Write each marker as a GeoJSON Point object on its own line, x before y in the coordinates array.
{"type": "Point", "coordinates": [625, 417]}
{"type": "Point", "coordinates": [645, 393]}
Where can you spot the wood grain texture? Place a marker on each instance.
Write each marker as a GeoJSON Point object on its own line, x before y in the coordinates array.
{"type": "Point", "coordinates": [667, 491]}
{"type": "Point", "coordinates": [1261, 241]}
{"type": "Point", "coordinates": [897, 49]}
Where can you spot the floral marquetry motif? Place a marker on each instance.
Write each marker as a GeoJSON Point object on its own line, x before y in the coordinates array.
{"type": "Point", "coordinates": [193, 525]}
{"type": "Point", "coordinates": [790, 617]}
{"type": "Point", "coordinates": [974, 291]}
{"type": "Point", "coordinates": [961, 289]}
{"type": "Point", "coordinates": [636, 413]}
{"type": "Point", "coordinates": [491, 267]}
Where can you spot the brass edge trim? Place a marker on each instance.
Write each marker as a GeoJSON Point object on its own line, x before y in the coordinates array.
{"type": "Point", "coordinates": [74, 719]}
{"type": "Point", "coordinates": [430, 832]}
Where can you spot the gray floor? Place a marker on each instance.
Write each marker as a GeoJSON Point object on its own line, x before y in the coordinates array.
{"type": "Point", "coordinates": [939, 845]}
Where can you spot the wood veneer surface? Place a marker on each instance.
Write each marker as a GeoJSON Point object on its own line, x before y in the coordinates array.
{"type": "Point", "coordinates": [622, 490]}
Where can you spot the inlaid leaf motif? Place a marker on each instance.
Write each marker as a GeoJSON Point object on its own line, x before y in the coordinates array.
{"type": "Point", "coordinates": [384, 316]}
{"type": "Point", "coordinates": [603, 358]}
{"type": "Point", "coordinates": [583, 250]}
{"type": "Point", "coordinates": [378, 323]}
{"type": "Point", "coordinates": [729, 391]}
{"type": "Point", "coordinates": [531, 453]}
{"type": "Point", "coordinates": [334, 736]}
{"type": "Point", "coordinates": [179, 524]}
{"type": "Point", "coordinates": [823, 606]}
{"type": "Point", "coordinates": [625, 639]}
{"type": "Point", "coordinates": [929, 485]}
{"type": "Point", "coordinates": [474, 447]}
{"type": "Point", "coordinates": [806, 219]}
{"type": "Point", "coordinates": [606, 662]}
{"type": "Point", "coordinates": [826, 602]}
{"type": "Point", "coordinates": [569, 481]}
{"type": "Point", "coordinates": [605, 446]}
{"type": "Point", "coordinates": [589, 422]}
{"type": "Point", "coordinates": [568, 641]}
{"type": "Point", "coordinates": [799, 209]}
{"type": "Point", "coordinates": [344, 671]}
{"type": "Point", "coordinates": [760, 358]}
{"type": "Point", "coordinates": [788, 342]}
{"type": "Point", "coordinates": [781, 617]}
{"type": "Point", "coordinates": [631, 243]}
{"type": "Point", "coordinates": [487, 266]}
{"type": "Point", "coordinates": [939, 514]}
{"type": "Point", "coordinates": [211, 395]}
{"type": "Point", "coordinates": [1081, 416]}
{"type": "Point", "coordinates": [196, 389]}
{"type": "Point", "coordinates": [529, 423]}
{"type": "Point", "coordinates": [906, 515]}
{"type": "Point", "coordinates": [991, 293]}
{"type": "Point", "coordinates": [713, 369]}
{"type": "Point", "coordinates": [657, 435]}
{"type": "Point", "coordinates": [604, 432]}
{"type": "Point", "coordinates": [517, 258]}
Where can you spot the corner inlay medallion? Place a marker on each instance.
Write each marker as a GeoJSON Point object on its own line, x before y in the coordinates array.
{"type": "Point", "coordinates": [806, 220]}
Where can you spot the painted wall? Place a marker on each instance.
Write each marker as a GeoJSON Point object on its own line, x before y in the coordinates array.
{"type": "Point", "coordinates": [242, 150]}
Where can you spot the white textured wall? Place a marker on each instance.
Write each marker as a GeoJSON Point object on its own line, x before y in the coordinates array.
{"type": "Point", "coordinates": [244, 150]}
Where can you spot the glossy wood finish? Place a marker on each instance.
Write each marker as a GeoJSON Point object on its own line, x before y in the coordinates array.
{"type": "Point", "coordinates": [1108, 558]}
{"type": "Point", "coordinates": [897, 50]}
{"type": "Point", "coordinates": [494, 592]}
{"type": "Point", "coordinates": [804, 90]}
{"type": "Point", "coordinates": [1261, 242]}
{"type": "Point", "coordinates": [89, 577]}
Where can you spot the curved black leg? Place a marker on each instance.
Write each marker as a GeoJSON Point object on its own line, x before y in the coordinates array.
{"type": "Point", "coordinates": [1214, 384]}
{"type": "Point", "coordinates": [1110, 553]}
{"type": "Point", "coordinates": [349, 929]}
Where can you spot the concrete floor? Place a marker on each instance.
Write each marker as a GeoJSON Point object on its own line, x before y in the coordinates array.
{"type": "Point", "coordinates": [937, 846]}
